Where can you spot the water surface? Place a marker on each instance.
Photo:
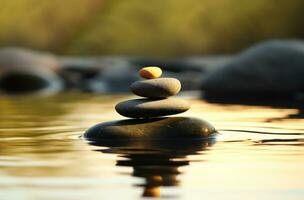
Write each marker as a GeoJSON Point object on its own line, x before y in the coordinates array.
{"type": "Point", "coordinates": [258, 154]}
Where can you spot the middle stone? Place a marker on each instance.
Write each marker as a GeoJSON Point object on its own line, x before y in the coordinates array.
{"type": "Point", "coordinates": [156, 88]}
{"type": "Point", "coordinates": [149, 108]}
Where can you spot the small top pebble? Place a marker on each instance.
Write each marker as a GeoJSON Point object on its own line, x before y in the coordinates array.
{"type": "Point", "coordinates": [150, 72]}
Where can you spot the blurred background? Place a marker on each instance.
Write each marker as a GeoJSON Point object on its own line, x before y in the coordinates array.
{"type": "Point", "coordinates": [65, 64]}
{"type": "Point", "coordinates": [156, 28]}
{"type": "Point", "coordinates": [99, 45]}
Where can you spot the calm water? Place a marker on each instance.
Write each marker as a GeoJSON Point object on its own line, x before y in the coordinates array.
{"type": "Point", "coordinates": [258, 154]}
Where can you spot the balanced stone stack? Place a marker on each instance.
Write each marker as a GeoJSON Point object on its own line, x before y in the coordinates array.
{"type": "Point", "coordinates": [156, 92]}
{"type": "Point", "coordinates": [148, 115]}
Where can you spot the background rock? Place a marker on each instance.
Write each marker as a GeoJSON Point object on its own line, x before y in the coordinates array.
{"type": "Point", "coordinates": [99, 74]}
{"type": "Point", "coordinates": [113, 73]}
{"type": "Point", "coordinates": [24, 71]}
{"type": "Point", "coordinates": [270, 69]}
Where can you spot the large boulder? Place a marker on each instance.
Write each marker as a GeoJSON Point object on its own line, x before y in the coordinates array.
{"type": "Point", "coordinates": [269, 69]}
{"type": "Point", "coordinates": [162, 128]}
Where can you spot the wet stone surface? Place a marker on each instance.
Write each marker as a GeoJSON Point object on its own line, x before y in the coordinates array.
{"type": "Point", "coordinates": [156, 88]}
{"type": "Point", "coordinates": [157, 128]}
{"type": "Point", "coordinates": [148, 108]}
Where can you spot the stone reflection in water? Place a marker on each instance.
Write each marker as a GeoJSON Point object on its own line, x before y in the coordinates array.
{"type": "Point", "coordinates": [157, 170]}
{"type": "Point", "coordinates": [157, 162]}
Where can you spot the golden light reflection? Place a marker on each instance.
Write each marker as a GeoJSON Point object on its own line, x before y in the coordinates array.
{"type": "Point", "coordinates": [40, 149]}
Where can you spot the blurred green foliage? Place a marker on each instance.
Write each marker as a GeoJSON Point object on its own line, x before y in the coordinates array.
{"type": "Point", "coordinates": [138, 27]}
{"type": "Point", "coordinates": [46, 24]}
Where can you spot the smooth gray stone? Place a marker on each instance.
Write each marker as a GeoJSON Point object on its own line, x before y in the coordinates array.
{"type": "Point", "coordinates": [28, 72]}
{"type": "Point", "coordinates": [147, 108]}
{"type": "Point", "coordinates": [18, 58]}
{"type": "Point", "coordinates": [156, 88]}
{"type": "Point", "coordinates": [269, 69]}
{"type": "Point", "coordinates": [167, 128]}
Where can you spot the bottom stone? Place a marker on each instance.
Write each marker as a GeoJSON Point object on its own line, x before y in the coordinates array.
{"type": "Point", "coordinates": [166, 128]}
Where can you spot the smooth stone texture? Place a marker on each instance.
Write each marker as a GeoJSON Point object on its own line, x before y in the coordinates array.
{"type": "Point", "coordinates": [269, 69]}
{"type": "Point", "coordinates": [150, 72]}
{"type": "Point", "coordinates": [156, 88]}
{"type": "Point", "coordinates": [145, 108]}
{"type": "Point", "coordinates": [166, 128]}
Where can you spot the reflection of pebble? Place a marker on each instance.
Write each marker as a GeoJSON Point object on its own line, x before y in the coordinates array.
{"type": "Point", "coordinates": [156, 88]}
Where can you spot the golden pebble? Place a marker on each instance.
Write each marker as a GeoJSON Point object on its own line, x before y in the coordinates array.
{"type": "Point", "coordinates": [150, 72]}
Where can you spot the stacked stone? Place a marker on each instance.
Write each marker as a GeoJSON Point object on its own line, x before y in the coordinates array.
{"type": "Point", "coordinates": [157, 93]}
{"type": "Point", "coordinates": [148, 112]}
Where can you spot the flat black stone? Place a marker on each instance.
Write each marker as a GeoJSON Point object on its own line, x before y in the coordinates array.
{"type": "Point", "coordinates": [156, 88]}
{"type": "Point", "coordinates": [148, 108]}
{"type": "Point", "coordinates": [167, 128]}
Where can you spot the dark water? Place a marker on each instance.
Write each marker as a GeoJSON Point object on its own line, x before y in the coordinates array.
{"type": "Point", "coordinates": [259, 154]}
